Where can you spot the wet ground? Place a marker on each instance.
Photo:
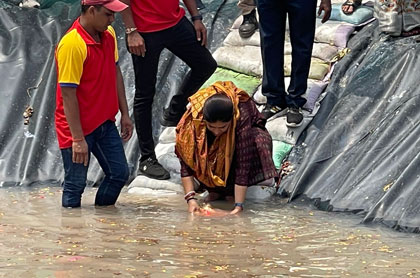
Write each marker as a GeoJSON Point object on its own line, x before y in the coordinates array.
{"type": "Point", "coordinates": [155, 237]}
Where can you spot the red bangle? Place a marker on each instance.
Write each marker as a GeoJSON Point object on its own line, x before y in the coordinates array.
{"type": "Point", "coordinates": [78, 140]}
{"type": "Point", "coordinates": [189, 194]}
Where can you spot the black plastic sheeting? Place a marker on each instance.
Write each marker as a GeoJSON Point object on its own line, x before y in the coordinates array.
{"type": "Point", "coordinates": [30, 154]}
{"type": "Point", "coordinates": [361, 153]}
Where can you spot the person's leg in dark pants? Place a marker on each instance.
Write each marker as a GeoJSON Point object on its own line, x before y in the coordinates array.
{"type": "Point", "coordinates": [302, 32]}
{"type": "Point", "coordinates": [74, 184]}
{"type": "Point", "coordinates": [301, 15]}
{"type": "Point", "coordinates": [272, 19]}
{"type": "Point", "coordinates": [109, 152]}
{"type": "Point", "coordinates": [182, 41]}
{"type": "Point", "coordinates": [145, 70]}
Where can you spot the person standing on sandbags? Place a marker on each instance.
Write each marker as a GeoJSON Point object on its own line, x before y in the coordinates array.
{"type": "Point", "coordinates": [152, 26]}
{"type": "Point", "coordinates": [272, 23]}
{"type": "Point", "coordinates": [90, 91]}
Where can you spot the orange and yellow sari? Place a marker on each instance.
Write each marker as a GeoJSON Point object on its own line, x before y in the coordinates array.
{"type": "Point", "coordinates": [211, 165]}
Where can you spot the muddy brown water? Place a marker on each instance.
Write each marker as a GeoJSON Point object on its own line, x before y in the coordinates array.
{"type": "Point", "coordinates": [154, 236]}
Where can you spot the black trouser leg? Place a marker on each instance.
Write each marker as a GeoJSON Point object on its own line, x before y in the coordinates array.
{"type": "Point", "coordinates": [183, 43]}
{"type": "Point", "coordinates": [180, 40]}
{"type": "Point", "coordinates": [272, 23]}
{"type": "Point", "coordinates": [145, 70]}
{"type": "Point", "coordinates": [301, 15]}
{"type": "Point", "coordinates": [302, 32]}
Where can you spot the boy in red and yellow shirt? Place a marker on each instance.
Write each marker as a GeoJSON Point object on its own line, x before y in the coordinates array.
{"type": "Point", "coordinates": [90, 92]}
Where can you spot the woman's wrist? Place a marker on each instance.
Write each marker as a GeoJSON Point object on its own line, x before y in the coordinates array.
{"type": "Point", "coordinates": [189, 195]}
{"type": "Point", "coordinates": [190, 199]}
{"type": "Point", "coordinates": [130, 30]}
{"type": "Point", "coordinates": [239, 206]}
{"type": "Point", "coordinates": [78, 140]}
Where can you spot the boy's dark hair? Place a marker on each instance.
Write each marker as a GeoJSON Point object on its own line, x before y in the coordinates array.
{"type": "Point", "coordinates": [86, 7]}
{"type": "Point", "coordinates": [218, 108]}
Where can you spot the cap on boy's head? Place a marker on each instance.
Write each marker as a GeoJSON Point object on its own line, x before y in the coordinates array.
{"type": "Point", "coordinates": [112, 5]}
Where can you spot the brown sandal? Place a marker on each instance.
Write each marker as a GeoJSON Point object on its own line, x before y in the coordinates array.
{"type": "Point", "coordinates": [351, 3]}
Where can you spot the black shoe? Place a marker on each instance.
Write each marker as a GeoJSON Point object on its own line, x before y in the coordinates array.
{"type": "Point", "coordinates": [249, 25]}
{"type": "Point", "coordinates": [168, 120]}
{"type": "Point", "coordinates": [152, 169]}
{"type": "Point", "coordinates": [294, 117]}
{"type": "Point", "coordinates": [271, 110]}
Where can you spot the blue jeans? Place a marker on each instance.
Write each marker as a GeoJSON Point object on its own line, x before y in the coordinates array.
{"type": "Point", "coordinates": [302, 15]}
{"type": "Point", "coordinates": [106, 145]}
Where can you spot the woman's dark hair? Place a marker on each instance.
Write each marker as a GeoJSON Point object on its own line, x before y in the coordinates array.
{"type": "Point", "coordinates": [218, 108]}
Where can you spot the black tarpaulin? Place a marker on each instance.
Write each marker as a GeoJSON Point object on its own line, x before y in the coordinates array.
{"type": "Point", "coordinates": [361, 152]}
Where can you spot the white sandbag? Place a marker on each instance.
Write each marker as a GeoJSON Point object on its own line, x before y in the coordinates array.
{"type": "Point", "coordinates": [143, 185]}
{"type": "Point", "coordinates": [280, 132]}
{"type": "Point", "coordinates": [168, 135]}
{"type": "Point", "coordinates": [269, 182]}
{"type": "Point", "coordinates": [162, 149]}
{"type": "Point", "coordinates": [234, 39]}
{"type": "Point", "coordinates": [335, 32]}
{"type": "Point", "coordinates": [170, 162]}
{"type": "Point", "coordinates": [317, 105]}
{"type": "Point", "coordinates": [258, 97]}
{"type": "Point", "coordinates": [173, 184]}
{"type": "Point", "coordinates": [324, 51]}
{"type": "Point", "coordinates": [243, 59]}
{"type": "Point", "coordinates": [151, 192]}
{"type": "Point", "coordinates": [319, 68]}
{"type": "Point", "coordinates": [261, 99]}
{"type": "Point", "coordinates": [312, 94]}
{"type": "Point", "coordinates": [258, 192]}
{"type": "Point", "coordinates": [359, 17]}
{"type": "Point", "coordinates": [29, 4]}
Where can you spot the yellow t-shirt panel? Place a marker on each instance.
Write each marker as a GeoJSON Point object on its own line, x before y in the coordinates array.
{"type": "Point", "coordinates": [71, 54]}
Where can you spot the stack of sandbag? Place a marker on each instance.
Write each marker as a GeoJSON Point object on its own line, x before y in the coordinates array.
{"type": "Point", "coordinates": [244, 56]}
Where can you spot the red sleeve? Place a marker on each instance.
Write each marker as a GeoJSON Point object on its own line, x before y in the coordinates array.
{"type": "Point", "coordinates": [185, 170]}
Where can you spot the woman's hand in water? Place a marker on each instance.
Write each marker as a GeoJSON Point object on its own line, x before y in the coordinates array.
{"type": "Point", "coordinates": [193, 206]}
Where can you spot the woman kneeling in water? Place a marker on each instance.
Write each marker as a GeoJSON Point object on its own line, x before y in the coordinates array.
{"type": "Point", "coordinates": [222, 142]}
